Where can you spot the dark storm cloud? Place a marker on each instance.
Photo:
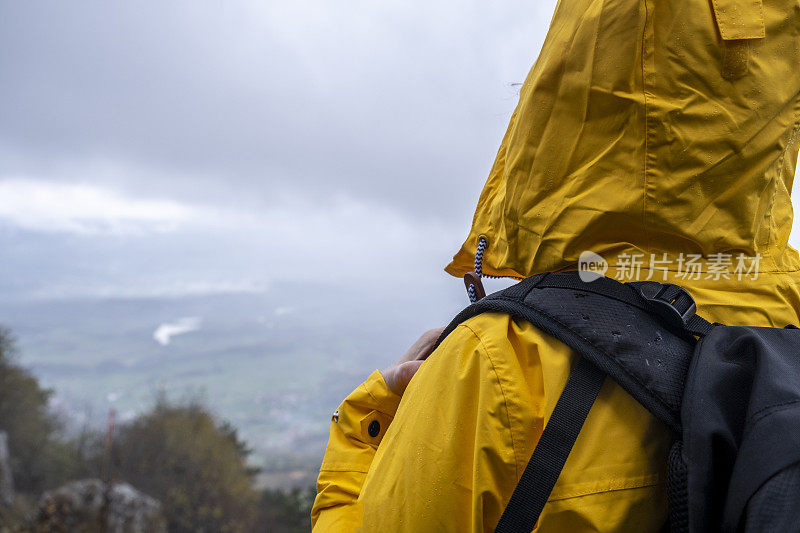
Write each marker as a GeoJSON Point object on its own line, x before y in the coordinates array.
{"type": "Point", "coordinates": [234, 102]}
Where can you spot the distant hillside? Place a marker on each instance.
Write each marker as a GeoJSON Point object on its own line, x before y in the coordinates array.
{"type": "Point", "coordinates": [275, 364]}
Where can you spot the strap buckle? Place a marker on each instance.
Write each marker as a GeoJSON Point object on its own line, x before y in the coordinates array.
{"type": "Point", "coordinates": [672, 302]}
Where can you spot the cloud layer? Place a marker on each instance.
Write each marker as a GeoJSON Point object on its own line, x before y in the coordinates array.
{"type": "Point", "coordinates": [185, 147]}
{"type": "Point", "coordinates": [84, 209]}
{"type": "Point", "coordinates": [150, 148]}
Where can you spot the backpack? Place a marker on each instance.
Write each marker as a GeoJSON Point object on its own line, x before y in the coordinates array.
{"type": "Point", "coordinates": [731, 395]}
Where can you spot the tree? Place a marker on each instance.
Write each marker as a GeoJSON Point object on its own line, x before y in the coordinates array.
{"type": "Point", "coordinates": [285, 512]}
{"type": "Point", "coordinates": [197, 468]}
{"type": "Point", "coordinates": [39, 459]}
{"type": "Point", "coordinates": [194, 466]}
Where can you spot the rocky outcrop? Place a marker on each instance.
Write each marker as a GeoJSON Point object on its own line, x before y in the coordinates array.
{"type": "Point", "coordinates": [90, 505]}
{"type": "Point", "coordinates": [6, 479]}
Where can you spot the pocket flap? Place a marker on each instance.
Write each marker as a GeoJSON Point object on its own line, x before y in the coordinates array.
{"type": "Point", "coordinates": [739, 19]}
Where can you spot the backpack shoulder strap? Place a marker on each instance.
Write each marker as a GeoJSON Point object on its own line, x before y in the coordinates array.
{"type": "Point", "coordinates": [642, 335]}
{"type": "Point", "coordinates": [551, 452]}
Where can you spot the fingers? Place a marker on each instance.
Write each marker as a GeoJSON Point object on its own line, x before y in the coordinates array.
{"type": "Point", "coordinates": [424, 345]}
{"type": "Point", "coordinates": [399, 374]}
{"type": "Point", "coordinates": [404, 374]}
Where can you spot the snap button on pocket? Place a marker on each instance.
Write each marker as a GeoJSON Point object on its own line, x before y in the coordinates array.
{"type": "Point", "coordinates": [374, 428]}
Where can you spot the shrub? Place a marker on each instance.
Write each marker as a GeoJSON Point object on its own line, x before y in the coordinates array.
{"type": "Point", "coordinates": [195, 467]}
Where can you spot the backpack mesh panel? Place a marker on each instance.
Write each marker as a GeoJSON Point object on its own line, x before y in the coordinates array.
{"type": "Point", "coordinates": [677, 482]}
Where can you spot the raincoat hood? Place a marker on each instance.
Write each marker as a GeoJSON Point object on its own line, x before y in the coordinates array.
{"type": "Point", "coordinates": [669, 127]}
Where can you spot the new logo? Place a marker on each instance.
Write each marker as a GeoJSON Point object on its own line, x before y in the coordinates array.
{"type": "Point", "coordinates": [591, 266]}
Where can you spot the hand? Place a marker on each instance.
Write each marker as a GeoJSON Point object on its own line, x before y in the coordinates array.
{"type": "Point", "coordinates": [399, 374]}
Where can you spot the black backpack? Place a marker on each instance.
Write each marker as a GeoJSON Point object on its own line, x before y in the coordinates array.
{"type": "Point", "coordinates": [731, 394]}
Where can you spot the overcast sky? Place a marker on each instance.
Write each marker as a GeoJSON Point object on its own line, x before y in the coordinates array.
{"type": "Point", "coordinates": [191, 146]}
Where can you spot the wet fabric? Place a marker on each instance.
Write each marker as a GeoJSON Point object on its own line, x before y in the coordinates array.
{"type": "Point", "coordinates": [648, 126]}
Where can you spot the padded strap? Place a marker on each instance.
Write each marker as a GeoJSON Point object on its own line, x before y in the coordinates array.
{"type": "Point", "coordinates": [552, 450]}
{"type": "Point", "coordinates": [672, 302]}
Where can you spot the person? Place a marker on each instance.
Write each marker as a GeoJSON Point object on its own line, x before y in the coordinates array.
{"type": "Point", "coordinates": [659, 137]}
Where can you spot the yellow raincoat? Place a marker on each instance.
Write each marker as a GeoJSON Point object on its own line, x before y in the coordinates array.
{"type": "Point", "coordinates": [658, 129]}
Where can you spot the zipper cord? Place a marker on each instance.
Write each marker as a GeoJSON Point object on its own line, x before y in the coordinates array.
{"type": "Point", "coordinates": [473, 296]}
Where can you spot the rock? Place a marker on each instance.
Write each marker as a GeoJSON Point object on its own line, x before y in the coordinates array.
{"type": "Point", "coordinates": [87, 506]}
{"type": "Point", "coordinates": [6, 479]}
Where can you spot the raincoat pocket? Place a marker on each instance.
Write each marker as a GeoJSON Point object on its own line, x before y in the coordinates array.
{"type": "Point", "coordinates": [738, 22]}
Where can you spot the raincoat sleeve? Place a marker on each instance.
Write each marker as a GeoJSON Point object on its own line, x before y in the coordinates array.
{"type": "Point", "coordinates": [357, 428]}
{"type": "Point", "coordinates": [450, 461]}
{"type": "Point", "coordinates": [447, 460]}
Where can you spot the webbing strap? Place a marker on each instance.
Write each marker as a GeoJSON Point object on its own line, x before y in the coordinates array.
{"type": "Point", "coordinates": [699, 326]}
{"type": "Point", "coordinates": [552, 450]}
{"type": "Point", "coordinates": [607, 287]}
